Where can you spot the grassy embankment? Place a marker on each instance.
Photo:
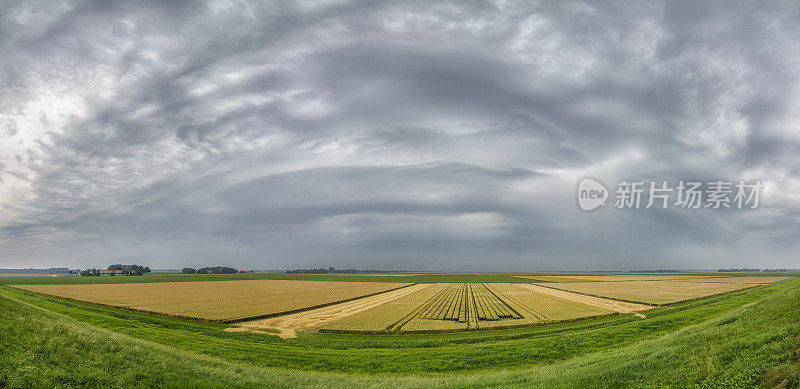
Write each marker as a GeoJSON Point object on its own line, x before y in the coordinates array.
{"type": "Point", "coordinates": [739, 339]}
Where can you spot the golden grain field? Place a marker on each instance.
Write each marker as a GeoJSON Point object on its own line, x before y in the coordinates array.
{"type": "Point", "coordinates": [387, 316]}
{"type": "Point", "coordinates": [313, 319]}
{"type": "Point", "coordinates": [217, 300]}
{"type": "Point", "coordinates": [741, 280]}
{"type": "Point", "coordinates": [540, 307]}
{"type": "Point", "coordinates": [615, 277]}
{"type": "Point", "coordinates": [651, 292]}
{"type": "Point", "coordinates": [453, 307]}
{"type": "Point", "coordinates": [421, 308]}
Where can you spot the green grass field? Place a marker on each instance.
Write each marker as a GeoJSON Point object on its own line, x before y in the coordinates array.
{"type": "Point", "coordinates": [747, 338]}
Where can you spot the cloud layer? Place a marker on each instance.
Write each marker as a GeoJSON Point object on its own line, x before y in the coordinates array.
{"type": "Point", "coordinates": [427, 136]}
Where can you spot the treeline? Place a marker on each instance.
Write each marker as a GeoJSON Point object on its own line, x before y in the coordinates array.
{"type": "Point", "coordinates": [334, 270]}
{"type": "Point", "coordinates": [130, 268]}
{"type": "Point", "coordinates": [210, 270]}
{"type": "Point", "coordinates": [113, 270]}
{"type": "Point", "coordinates": [52, 270]}
{"type": "Point", "coordinates": [732, 270]}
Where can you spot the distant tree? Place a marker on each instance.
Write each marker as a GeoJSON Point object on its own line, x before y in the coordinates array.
{"type": "Point", "coordinates": [217, 270]}
{"type": "Point", "coordinates": [130, 269]}
{"type": "Point", "coordinates": [90, 272]}
{"type": "Point", "coordinates": [188, 270]}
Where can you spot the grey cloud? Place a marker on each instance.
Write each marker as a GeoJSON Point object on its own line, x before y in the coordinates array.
{"type": "Point", "coordinates": [441, 136]}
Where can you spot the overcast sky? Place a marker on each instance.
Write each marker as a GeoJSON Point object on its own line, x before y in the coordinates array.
{"type": "Point", "coordinates": [393, 135]}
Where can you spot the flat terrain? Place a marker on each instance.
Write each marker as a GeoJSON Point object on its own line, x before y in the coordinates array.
{"type": "Point", "coordinates": [652, 292]}
{"type": "Point", "coordinates": [27, 275]}
{"type": "Point", "coordinates": [292, 306]}
{"type": "Point", "coordinates": [390, 277]}
{"type": "Point", "coordinates": [739, 280]}
{"type": "Point", "coordinates": [534, 307]}
{"type": "Point", "coordinates": [618, 277]}
{"type": "Point", "coordinates": [343, 277]}
{"type": "Point", "coordinates": [610, 305]}
{"type": "Point", "coordinates": [746, 338]}
{"type": "Point", "coordinates": [219, 300]}
{"type": "Point", "coordinates": [389, 316]}
{"type": "Point", "coordinates": [316, 318]}
{"type": "Point", "coordinates": [472, 306]}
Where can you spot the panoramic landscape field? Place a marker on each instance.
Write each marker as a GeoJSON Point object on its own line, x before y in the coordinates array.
{"type": "Point", "coordinates": [400, 194]}
{"type": "Point", "coordinates": [437, 333]}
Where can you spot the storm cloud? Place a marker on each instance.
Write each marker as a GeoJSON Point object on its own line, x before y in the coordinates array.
{"type": "Point", "coordinates": [394, 135]}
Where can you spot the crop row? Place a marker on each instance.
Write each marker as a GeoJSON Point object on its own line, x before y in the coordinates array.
{"type": "Point", "coordinates": [467, 302]}
{"type": "Point", "coordinates": [489, 306]}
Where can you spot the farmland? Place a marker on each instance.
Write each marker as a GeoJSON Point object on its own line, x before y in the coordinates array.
{"type": "Point", "coordinates": [387, 317]}
{"type": "Point", "coordinates": [753, 332]}
{"type": "Point", "coordinates": [599, 302]}
{"type": "Point", "coordinates": [319, 317]}
{"type": "Point", "coordinates": [737, 280]}
{"type": "Point", "coordinates": [405, 338]}
{"type": "Point", "coordinates": [470, 306]}
{"type": "Point", "coordinates": [27, 279]}
{"type": "Point", "coordinates": [220, 300]}
{"type": "Point", "coordinates": [152, 278]}
{"type": "Point", "coordinates": [654, 292]}
{"type": "Point", "coordinates": [292, 306]}
{"type": "Point", "coordinates": [615, 278]}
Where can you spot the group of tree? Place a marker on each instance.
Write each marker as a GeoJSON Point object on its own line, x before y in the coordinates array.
{"type": "Point", "coordinates": [749, 270]}
{"type": "Point", "coordinates": [130, 269]}
{"type": "Point", "coordinates": [118, 269]}
{"type": "Point", "coordinates": [210, 270]}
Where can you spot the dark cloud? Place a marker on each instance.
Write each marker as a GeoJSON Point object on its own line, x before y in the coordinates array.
{"type": "Point", "coordinates": [430, 136]}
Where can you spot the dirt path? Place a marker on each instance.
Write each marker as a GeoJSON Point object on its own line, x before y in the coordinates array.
{"type": "Point", "coordinates": [290, 324]}
{"type": "Point", "coordinates": [613, 305]}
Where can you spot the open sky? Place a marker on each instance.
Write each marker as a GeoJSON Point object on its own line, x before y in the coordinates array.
{"type": "Point", "coordinates": [394, 135]}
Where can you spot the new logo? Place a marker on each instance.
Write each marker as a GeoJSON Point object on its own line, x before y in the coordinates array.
{"type": "Point", "coordinates": [591, 194]}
